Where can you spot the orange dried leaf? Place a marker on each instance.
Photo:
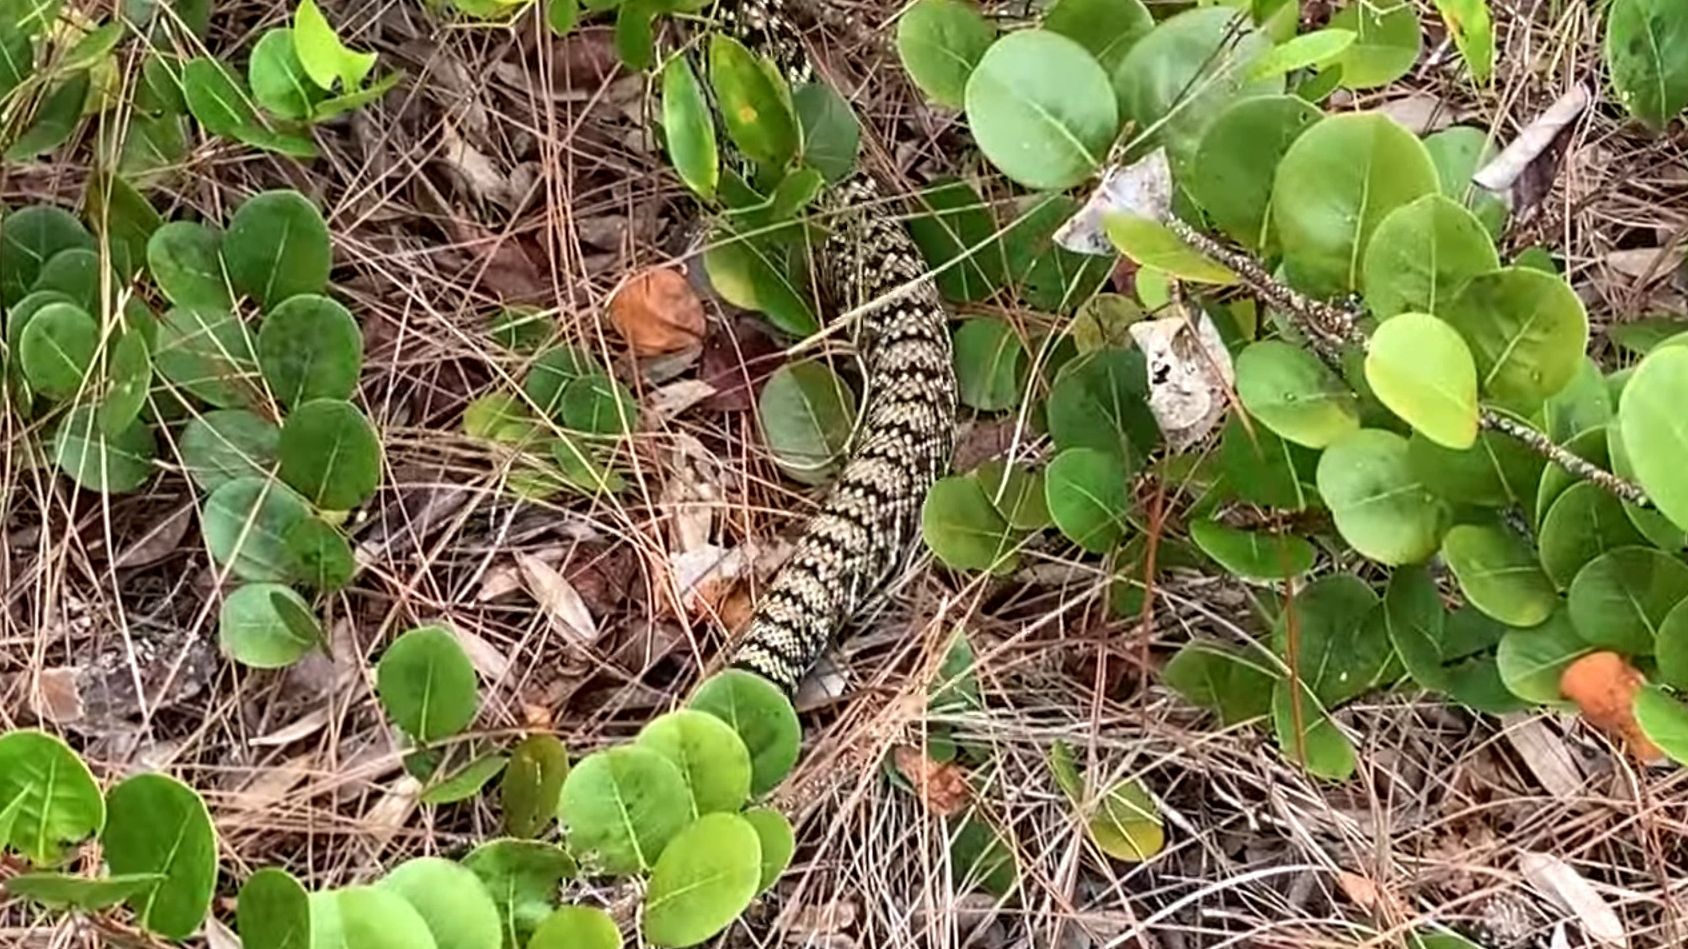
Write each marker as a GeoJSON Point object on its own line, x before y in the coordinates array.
{"type": "Point", "coordinates": [657, 312]}
{"type": "Point", "coordinates": [942, 786]}
{"type": "Point", "coordinates": [1603, 684]}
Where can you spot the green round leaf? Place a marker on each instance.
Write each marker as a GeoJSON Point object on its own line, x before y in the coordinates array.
{"type": "Point", "coordinates": [621, 807]}
{"type": "Point", "coordinates": [1496, 471]}
{"type": "Point", "coordinates": [1335, 185]}
{"type": "Point", "coordinates": [1672, 647]}
{"type": "Point", "coordinates": [1016, 493]}
{"type": "Point", "coordinates": [220, 446]}
{"type": "Point", "coordinates": [1236, 686]}
{"type": "Point", "coordinates": [246, 522]}
{"type": "Point", "coordinates": [1419, 368]}
{"type": "Point", "coordinates": [111, 464]}
{"type": "Point", "coordinates": [778, 841]}
{"type": "Point", "coordinates": [321, 555]}
{"type": "Point", "coordinates": [31, 236]}
{"type": "Point", "coordinates": [210, 353]}
{"type": "Point", "coordinates": [763, 718]}
{"type": "Point", "coordinates": [1315, 49]}
{"type": "Point", "coordinates": [55, 890]}
{"type": "Point", "coordinates": [255, 631]}
{"type": "Point", "coordinates": [1620, 599]}
{"type": "Point", "coordinates": [1412, 617]}
{"type": "Point", "coordinates": [1295, 395]}
{"type": "Point", "coordinates": [1321, 748]}
{"type": "Point", "coordinates": [329, 452]}
{"type": "Point", "coordinates": [532, 784]}
{"type": "Point", "coordinates": [75, 272]}
{"type": "Point", "coordinates": [278, 79]}
{"type": "Point", "coordinates": [1087, 494]}
{"type": "Point", "coordinates": [277, 247]}
{"type": "Point", "coordinates": [156, 824]}
{"type": "Point", "coordinates": [1238, 156]}
{"type": "Point", "coordinates": [709, 754]}
{"type": "Point", "coordinates": [128, 371]}
{"type": "Point", "coordinates": [703, 881]}
{"type": "Point", "coordinates": [465, 782]}
{"type": "Point", "coordinates": [1532, 660]}
{"type": "Point", "coordinates": [273, 912]}
{"type": "Point", "coordinates": [1185, 72]}
{"type": "Point", "coordinates": [186, 260]}
{"type": "Point", "coordinates": [1649, 418]}
{"type": "Point", "coordinates": [427, 685]}
{"type": "Point", "coordinates": [57, 348]}
{"type": "Point", "coordinates": [754, 105]}
{"type": "Point", "coordinates": [1527, 331]}
{"type": "Point", "coordinates": [940, 43]}
{"type": "Point", "coordinates": [366, 917]}
{"type": "Point", "coordinates": [1041, 109]}
{"type": "Point", "coordinates": [1458, 153]}
{"type": "Point", "coordinates": [1126, 824]}
{"type": "Point", "coordinates": [309, 347]}
{"type": "Point", "coordinates": [1644, 44]}
{"type": "Point", "coordinates": [831, 132]}
{"type": "Point", "coordinates": [689, 128]}
{"type": "Point", "coordinates": [576, 927]}
{"type": "Point", "coordinates": [1422, 254]}
{"type": "Point", "coordinates": [1379, 504]}
{"type": "Point", "coordinates": [56, 119]}
{"type": "Point", "coordinates": [979, 858]}
{"type": "Point", "coordinates": [964, 530]}
{"type": "Point", "coordinates": [51, 798]}
{"type": "Point", "coordinates": [1101, 401]}
{"type": "Point", "coordinates": [758, 275]}
{"type": "Point", "coordinates": [1659, 530]}
{"type": "Point", "coordinates": [1386, 43]}
{"type": "Point", "coordinates": [1152, 244]}
{"type": "Point", "coordinates": [1341, 654]}
{"type": "Point", "coordinates": [990, 364]}
{"type": "Point", "coordinates": [551, 373]}
{"type": "Point", "coordinates": [1253, 555]}
{"type": "Point", "coordinates": [958, 240]}
{"type": "Point", "coordinates": [1585, 522]}
{"type": "Point", "coordinates": [1591, 446]}
{"type": "Point", "coordinates": [1107, 28]}
{"type": "Point", "coordinates": [1498, 574]}
{"type": "Point", "coordinates": [807, 416]}
{"type": "Point", "coordinates": [450, 899]}
{"type": "Point", "coordinates": [598, 404]}
{"type": "Point", "coordinates": [1664, 720]}
{"type": "Point", "coordinates": [1264, 469]}
{"type": "Point", "coordinates": [523, 877]}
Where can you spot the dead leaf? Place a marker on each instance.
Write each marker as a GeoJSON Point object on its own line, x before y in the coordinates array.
{"type": "Point", "coordinates": [1420, 112]}
{"type": "Point", "coordinates": [736, 362]}
{"type": "Point", "coordinates": [1644, 262]}
{"type": "Point", "coordinates": [1536, 149]}
{"type": "Point", "coordinates": [676, 397]}
{"type": "Point", "coordinates": [1563, 885]}
{"type": "Point", "coordinates": [302, 727]}
{"type": "Point", "coordinates": [1366, 894]}
{"type": "Point", "coordinates": [1544, 753]}
{"type": "Point", "coordinates": [562, 604]}
{"type": "Point", "coordinates": [1143, 188]}
{"type": "Point", "coordinates": [218, 936]}
{"type": "Point", "coordinates": [942, 786]}
{"type": "Point", "coordinates": [705, 575]}
{"type": "Point", "coordinates": [160, 540]}
{"type": "Point", "coordinates": [477, 172]}
{"type": "Point", "coordinates": [657, 312]}
{"type": "Point", "coordinates": [491, 662]}
{"type": "Point", "coordinates": [823, 919]}
{"type": "Point", "coordinates": [1189, 372]}
{"type": "Point", "coordinates": [1603, 684]}
{"type": "Point", "coordinates": [824, 685]}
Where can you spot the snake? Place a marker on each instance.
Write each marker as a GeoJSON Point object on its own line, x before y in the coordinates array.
{"type": "Point", "coordinates": [867, 268]}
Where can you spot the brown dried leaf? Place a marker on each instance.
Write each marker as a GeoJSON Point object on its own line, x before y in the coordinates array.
{"type": "Point", "coordinates": [161, 539]}
{"type": "Point", "coordinates": [942, 786]}
{"type": "Point", "coordinates": [1366, 894]}
{"type": "Point", "coordinates": [657, 312]}
{"type": "Point", "coordinates": [1568, 890]}
{"type": "Point", "coordinates": [823, 919]}
{"type": "Point", "coordinates": [1603, 684]}
{"type": "Point", "coordinates": [558, 598]}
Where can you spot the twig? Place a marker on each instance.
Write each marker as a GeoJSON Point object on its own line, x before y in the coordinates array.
{"type": "Point", "coordinates": [1330, 327]}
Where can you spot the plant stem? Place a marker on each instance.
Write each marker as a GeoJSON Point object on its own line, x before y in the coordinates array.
{"type": "Point", "coordinates": [1330, 327]}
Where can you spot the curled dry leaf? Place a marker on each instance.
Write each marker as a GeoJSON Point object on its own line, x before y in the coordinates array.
{"type": "Point", "coordinates": [1143, 188]}
{"type": "Point", "coordinates": [1603, 684]}
{"type": "Point", "coordinates": [657, 312]}
{"type": "Point", "coordinates": [1562, 884]}
{"type": "Point", "coordinates": [1190, 373]}
{"type": "Point", "coordinates": [562, 604]}
{"type": "Point", "coordinates": [941, 785]}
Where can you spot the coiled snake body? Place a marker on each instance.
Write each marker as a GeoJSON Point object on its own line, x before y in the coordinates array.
{"type": "Point", "coordinates": [868, 267]}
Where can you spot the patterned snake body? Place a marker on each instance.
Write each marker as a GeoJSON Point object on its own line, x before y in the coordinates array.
{"type": "Point", "coordinates": [861, 536]}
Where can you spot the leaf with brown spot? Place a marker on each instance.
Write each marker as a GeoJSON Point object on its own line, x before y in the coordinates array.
{"type": "Point", "coordinates": [1603, 684]}
{"type": "Point", "coordinates": [942, 786]}
{"type": "Point", "coordinates": [657, 312]}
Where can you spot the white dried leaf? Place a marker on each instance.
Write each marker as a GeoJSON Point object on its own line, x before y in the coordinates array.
{"type": "Point", "coordinates": [1189, 372]}
{"type": "Point", "coordinates": [1143, 188]}
{"type": "Point", "coordinates": [491, 662]}
{"type": "Point", "coordinates": [824, 684]}
{"type": "Point", "coordinates": [560, 601]}
{"type": "Point", "coordinates": [677, 397]}
{"type": "Point", "coordinates": [302, 727]}
{"type": "Point", "coordinates": [218, 936]}
{"type": "Point", "coordinates": [1544, 752]}
{"type": "Point", "coordinates": [703, 574]}
{"type": "Point", "coordinates": [1500, 174]}
{"type": "Point", "coordinates": [1569, 891]}
{"type": "Point", "coordinates": [1638, 262]}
